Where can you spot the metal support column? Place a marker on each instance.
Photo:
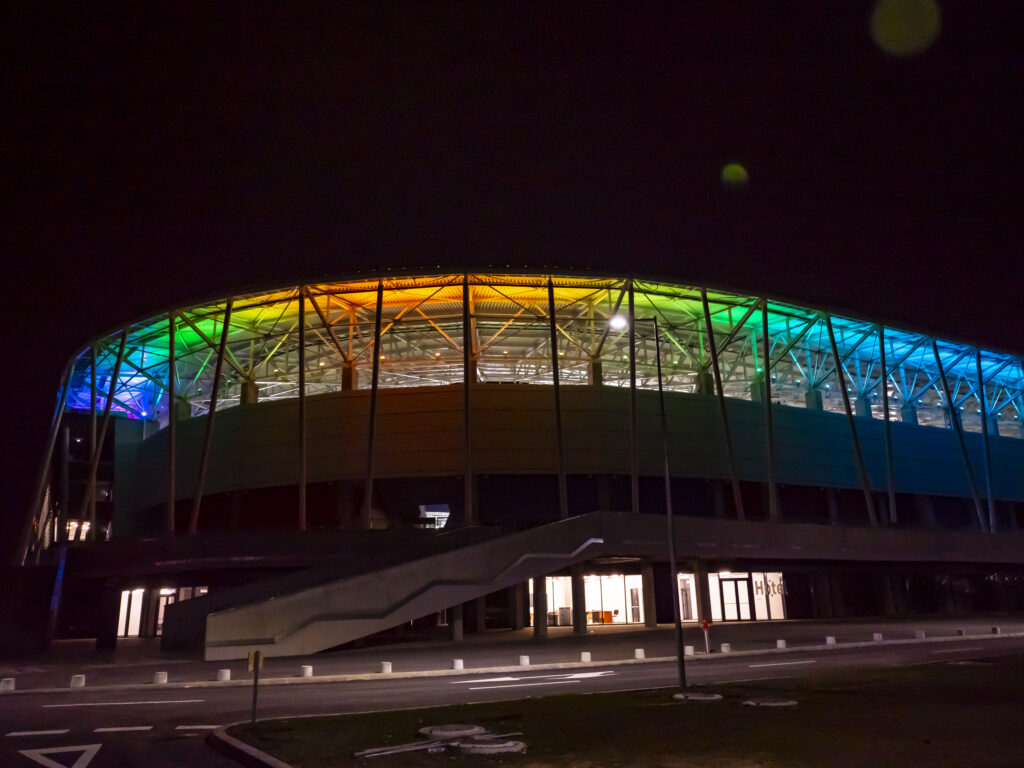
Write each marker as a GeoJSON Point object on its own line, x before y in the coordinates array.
{"type": "Point", "coordinates": [540, 607]}
{"type": "Point", "coordinates": [94, 460]}
{"type": "Point", "coordinates": [372, 426]}
{"type": "Point", "coordinates": [43, 476]}
{"type": "Point", "coordinates": [563, 496]}
{"type": "Point", "coordinates": [958, 431]}
{"type": "Point", "coordinates": [634, 448]}
{"type": "Point", "coordinates": [302, 409]}
{"type": "Point", "coordinates": [773, 491]}
{"type": "Point", "coordinates": [865, 481]}
{"type": "Point", "coordinates": [172, 422]}
{"type": "Point", "coordinates": [193, 522]}
{"type": "Point", "coordinates": [984, 442]}
{"type": "Point", "coordinates": [737, 497]}
{"type": "Point", "coordinates": [670, 520]}
{"type": "Point", "coordinates": [890, 476]}
{"type": "Point", "coordinates": [468, 380]}
{"type": "Point", "coordinates": [92, 433]}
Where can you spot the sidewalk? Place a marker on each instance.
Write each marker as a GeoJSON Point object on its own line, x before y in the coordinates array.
{"type": "Point", "coordinates": [135, 661]}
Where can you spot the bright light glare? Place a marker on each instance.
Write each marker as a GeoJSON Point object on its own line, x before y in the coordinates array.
{"type": "Point", "coordinates": [617, 322]}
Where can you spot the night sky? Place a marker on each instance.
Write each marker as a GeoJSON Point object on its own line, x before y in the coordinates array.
{"type": "Point", "coordinates": [155, 157]}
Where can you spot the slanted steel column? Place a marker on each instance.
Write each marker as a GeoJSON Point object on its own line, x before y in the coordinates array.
{"type": "Point", "coordinates": [43, 476]}
{"type": "Point", "coordinates": [862, 471]}
{"type": "Point", "coordinates": [371, 430]}
{"type": "Point", "coordinates": [468, 380]}
{"type": "Point", "coordinates": [958, 431]}
{"type": "Point", "coordinates": [193, 522]}
{"type": "Point", "coordinates": [769, 427]}
{"type": "Point", "coordinates": [984, 442]}
{"type": "Point", "coordinates": [634, 448]}
{"type": "Point", "coordinates": [563, 496]}
{"type": "Point", "coordinates": [670, 520]}
{"type": "Point", "coordinates": [172, 421]}
{"type": "Point", "coordinates": [302, 409]}
{"type": "Point", "coordinates": [737, 496]}
{"type": "Point", "coordinates": [890, 476]}
{"type": "Point", "coordinates": [92, 433]}
{"type": "Point", "coordinates": [94, 460]}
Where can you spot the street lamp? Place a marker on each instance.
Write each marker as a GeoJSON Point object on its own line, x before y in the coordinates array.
{"type": "Point", "coordinates": [673, 574]}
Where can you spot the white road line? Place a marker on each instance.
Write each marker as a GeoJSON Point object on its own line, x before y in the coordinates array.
{"type": "Point", "coordinates": [120, 728]}
{"type": "Point", "coordinates": [196, 727]}
{"type": "Point", "coordinates": [56, 732]}
{"type": "Point", "coordinates": [522, 685]}
{"type": "Point", "coordinates": [784, 663]}
{"type": "Point", "coordinates": [122, 703]}
{"type": "Point", "coordinates": [958, 650]}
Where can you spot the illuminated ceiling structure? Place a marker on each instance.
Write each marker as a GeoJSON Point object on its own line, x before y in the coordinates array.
{"type": "Point", "coordinates": [421, 345]}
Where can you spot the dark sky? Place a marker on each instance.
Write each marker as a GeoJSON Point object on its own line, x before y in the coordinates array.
{"type": "Point", "coordinates": [157, 156]}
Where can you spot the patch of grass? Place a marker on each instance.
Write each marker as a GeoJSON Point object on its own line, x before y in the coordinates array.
{"type": "Point", "coordinates": [934, 715]}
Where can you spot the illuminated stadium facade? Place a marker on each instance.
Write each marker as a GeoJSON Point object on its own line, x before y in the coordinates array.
{"type": "Point", "coordinates": [302, 444]}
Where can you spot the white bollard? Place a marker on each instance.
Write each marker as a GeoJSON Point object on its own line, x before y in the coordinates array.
{"type": "Point", "coordinates": [584, 656]}
{"type": "Point", "coordinates": [997, 631]}
{"type": "Point", "coordinates": [780, 643]}
{"type": "Point", "coordinates": [223, 675]}
{"type": "Point", "coordinates": [688, 650]}
{"type": "Point", "coordinates": [919, 634]}
{"type": "Point", "coordinates": [78, 681]}
{"type": "Point", "coordinates": [877, 637]}
{"type": "Point", "coordinates": [385, 667]}
{"type": "Point", "coordinates": [457, 664]}
{"type": "Point", "coordinates": [306, 670]}
{"type": "Point", "coordinates": [830, 641]}
{"type": "Point", "coordinates": [638, 653]}
{"type": "Point", "coordinates": [159, 678]}
{"type": "Point", "coordinates": [961, 632]}
{"type": "Point", "coordinates": [726, 648]}
{"type": "Point", "coordinates": [524, 661]}
{"type": "Point", "coordinates": [7, 685]}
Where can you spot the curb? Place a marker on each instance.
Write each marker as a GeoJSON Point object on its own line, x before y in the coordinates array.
{"type": "Point", "coordinates": [242, 752]}
{"type": "Point", "coordinates": [365, 676]}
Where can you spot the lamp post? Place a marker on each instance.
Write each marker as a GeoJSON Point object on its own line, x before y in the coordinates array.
{"type": "Point", "coordinates": [673, 574]}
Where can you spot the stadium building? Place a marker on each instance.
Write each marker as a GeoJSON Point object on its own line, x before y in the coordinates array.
{"type": "Point", "coordinates": [305, 467]}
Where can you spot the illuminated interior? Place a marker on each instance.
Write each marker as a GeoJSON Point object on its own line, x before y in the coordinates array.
{"type": "Point", "coordinates": [421, 344]}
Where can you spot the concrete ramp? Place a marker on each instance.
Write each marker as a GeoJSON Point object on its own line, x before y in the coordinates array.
{"type": "Point", "coordinates": [329, 614]}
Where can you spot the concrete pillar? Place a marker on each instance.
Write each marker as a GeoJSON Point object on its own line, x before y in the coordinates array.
{"type": "Point", "coordinates": [926, 508]}
{"type": "Point", "coordinates": [908, 414]}
{"type": "Point", "coordinates": [836, 593]}
{"type": "Point", "coordinates": [477, 610]}
{"type": "Point", "coordinates": [650, 607]}
{"type": "Point", "coordinates": [579, 601]}
{"type": "Point", "coordinates": [250, 393]}
{"type": "Point", "coordinates": [700, 583]}
{"type": "Point", "coordinates": [455, 623]}
{"type": "Point", "coordinates": [993, 425]}
{"type": "Point", "coordinates": [947, 599]}
{"type": "Point", "coordinates": [596, 372]}
{"type": "Point", "coordinates": [349, 376]}
{"type": "Point", "coordinates": [821, 594]}
{"type": "Point", "coordinates": [514, 595]}
{"type": "Point", "coordinates": [107, 612]}
{"type": "Point", "coordinates": [705, 383]}
{"type": "Point", "coordinates": [718, 497]}
{"type": "Point", "coordinates": [862, 407]}
{"type": "Point", "coordinates": [757, 388]}
{"type": "Point", "coordinates": [182, 409]}
{"type": "Point", "coordinates": [540, 607]}
{"type": "Point", "coordinates": [832, 503]}
{"type": "Point", "coordinates": [887, 592]}
{"type": "Point", "coordinates": [813, 401]}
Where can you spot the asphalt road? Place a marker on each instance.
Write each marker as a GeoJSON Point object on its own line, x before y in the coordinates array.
{"type": "Point", "coordinates": [159, 728]}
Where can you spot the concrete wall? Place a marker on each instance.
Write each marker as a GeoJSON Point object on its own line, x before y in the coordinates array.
{"type": "Point", "coordinates": [419, 433]}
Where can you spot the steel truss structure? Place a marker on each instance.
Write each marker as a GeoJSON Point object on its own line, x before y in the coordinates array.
{"type": "Point", "coordinates": [447, 329]}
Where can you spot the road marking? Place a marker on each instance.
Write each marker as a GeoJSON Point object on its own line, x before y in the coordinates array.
{"type": "Point", "coordinates": [958, 650]}
{"type": "Point", "coordinates": [56, 732]}
{"type": "Point", "coordinates": [119, 728]}
{"type": "Point", "coordinates": [523, 685]}
{"type": "Point", "coordinates": [196, 727]}
{"type": "Point", "coordinates": [38, 755]}
{"type": "Point", "coordinates": [122, 703]}
{"type": "Point", "coordinates": [784, 663]}
{"type": "Point", "coordinates": [563, 676]}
